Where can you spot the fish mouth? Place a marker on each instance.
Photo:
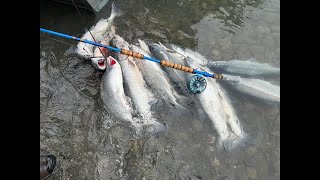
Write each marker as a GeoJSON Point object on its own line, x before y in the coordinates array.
{"type": "Point", "coordinates": [99, 63]}
{"type": "Point", "coordinates": [110, 61]}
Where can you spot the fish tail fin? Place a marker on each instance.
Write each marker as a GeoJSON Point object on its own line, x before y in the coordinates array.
{"type": "Point", "coordinates": [234, 142]}
{"type": "Point", "coordinates": [115, 11]}
{"type": "Point", "coordinates": [155, 127]}
{"type": "Point", "coordinates": [163, 46]}
{"type": "Point", "coordinates": [148, 126]}
{"type": "Point", "coordinates": [143, 45]}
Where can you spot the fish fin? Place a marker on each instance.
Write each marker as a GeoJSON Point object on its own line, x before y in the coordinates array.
{"type": "Point", "coordinates": [166, 48]}
{"type": "Point", "coordinates": [170, 50]}
{"type": "Point", "coordinates": [235, 143]}
{"type": "Point", "coordinates": [148, 126]}
{"type": "Point", "coordinates": [153, 127]}
{"type": "Point", "coordinates": [115, 11]}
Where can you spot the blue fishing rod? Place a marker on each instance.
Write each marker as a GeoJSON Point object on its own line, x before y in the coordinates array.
{"type": "Point", "coordinates": [196, 84]}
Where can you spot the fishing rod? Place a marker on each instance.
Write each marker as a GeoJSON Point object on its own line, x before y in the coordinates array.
{"type": "Point", "coordinates": [196, 84]}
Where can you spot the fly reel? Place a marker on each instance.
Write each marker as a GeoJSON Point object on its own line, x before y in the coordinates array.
{"type": "Point", "coordinates": [196, 84]}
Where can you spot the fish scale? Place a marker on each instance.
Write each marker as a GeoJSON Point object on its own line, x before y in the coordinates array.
{"type": "Point", "coordinates": [155, 77]}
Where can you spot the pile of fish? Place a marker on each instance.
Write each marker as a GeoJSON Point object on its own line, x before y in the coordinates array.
{"type": "Point", "coordinates": [129, 87]}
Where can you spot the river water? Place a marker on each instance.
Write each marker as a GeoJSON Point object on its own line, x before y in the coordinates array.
{"type": "Point", "coordinates": [89, 145]}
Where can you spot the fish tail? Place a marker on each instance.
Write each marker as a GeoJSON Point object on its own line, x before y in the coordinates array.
{"type": "Point", "coordinates": [115, 11]}
{"type": "Point", "coordinates": [234, 142]}
{"type": "Point", "coordinates": [144, 46]}
{"type": "Point", "coordinates": [147, 125]}
{"type": "Point", "coordinates": [156, 128]}
{"type": "Point", "coordinates": [153, 127]}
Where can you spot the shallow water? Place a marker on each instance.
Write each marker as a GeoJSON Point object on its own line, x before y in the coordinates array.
{"type": "Point", "coordinates": [90, 145]}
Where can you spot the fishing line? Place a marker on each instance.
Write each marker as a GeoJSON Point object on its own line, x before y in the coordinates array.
{"type": "Point", "coordinates": [86, 26]}
{"type": "Point", "coordinates": [57, 40]}
{"type": "Point", "coordinates": [64, 43]}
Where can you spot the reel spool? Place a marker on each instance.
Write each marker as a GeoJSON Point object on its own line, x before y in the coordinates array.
{"type": "Point", "coordinates": [196, 84]}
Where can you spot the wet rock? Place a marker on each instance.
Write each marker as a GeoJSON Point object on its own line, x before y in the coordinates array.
{"type": "Point", "coordinates": [167, 150]}
{"type": "Point", "coordinates": [216, 163]}
{"type": "Point", "coordinates": [204, 5]}
{"type": "Point", "coordinates": [271, 18]}
{"type": "Point", "coordinates": [252, 41]}
{"type": "Point", "coordinates": [275, 133]}
{"type": "Point", "coordinates": [188, 172]}
{"type": "Point", "coordinates": [251, 151]}
{"type": "Point", "coordinates": [211, 139]}
{"type": "Point", "coordinates": [92, 91]}
{"type": "Point", "coordinates": [225, 43]}
{"type": "Point", "coordinates": [250, 29]}
{"type": "Point", "coordinates": [275, 35]}
{"type": "Point", "coordinates": [275, 29]}
{"type": "Point", "coordinates": [242, 49]}
{"type": "Point", "coordinates": [237, 39]}
{"type": "Point", "coordinates": [162, 22]}
{"type": "Point", "coordinates": [251, 172]}
{"type": "Point", "coordinates": [157, 105]}
{"type": "Point", "coordinates": [225, 12]}
{"type": "Point", "coordinates": [258, 50]}
{"type": "Point", "coordinates": [215, 53]}
{"type": "Point", "coordinates": [159, 34]}
{"type": "Point", "coordinates": [276, 166]}
{"type": "Point", "coordinates": [250, 161]}
{"type": "Point", "coordinates": [235, 48]}
{"type": "Point", "coordinates": [197, 125]}
{"type": "Point", "coordinates": [133, 159]}
{"type": "Point", "coordinates": [173, 26]}
{"type": "Point", "coordinates": [246, 55]}
{"type": "Point", "coordinates": [268, 144]}
{"type": "Point", "coordinates": [184, 35]}
{"type": "Point", "coordinates": [277, 51]}
{"type": "Point", "coordinates": [263, 30]}
{"type": "Point", "coordinates": [152, 19]}
{"type": "Point", "coordinates": [180, 3]}
{"type": "Point", "coordinates": [268, 41]}
{"type": "Point", "coordinates": [139, 33]}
